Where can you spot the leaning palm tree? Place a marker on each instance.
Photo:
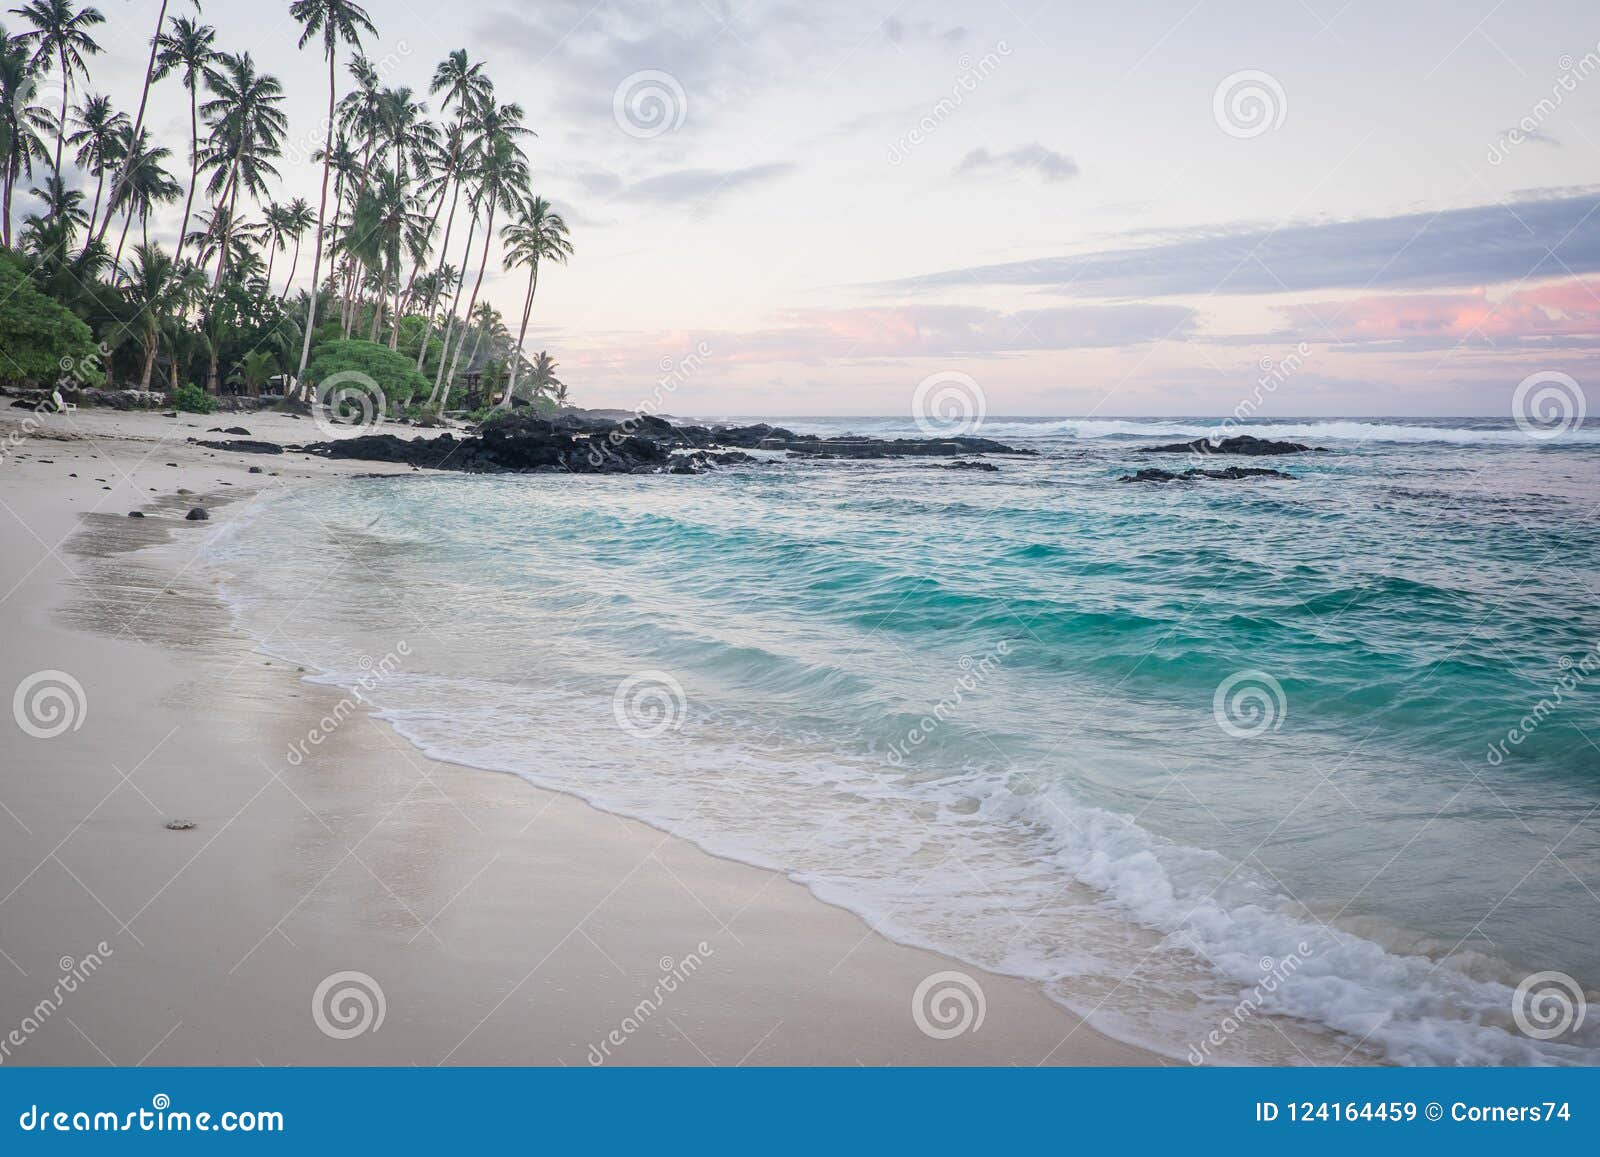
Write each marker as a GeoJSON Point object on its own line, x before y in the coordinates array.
{"type": "Point", "coordinates": [538, 235]}
{"type": "Point", "coordinates": [188, 49]}
{"type": "Point", "coordinates": [98, 132]}
{"type": "Point", "coordinates": [155, 288]}
{"type": "Point", "coordinates": [60, 39]}
{"type": "Point", "coordinates": [463, 85]}
{"type": "Point", "coordinates": [503, 179]}
{"type": "Point", "coordinates": [21, 123]}
{"type": "Point", "coordinates": [146, 184]}
{"type": "Point", "coordinates": [333, 22]}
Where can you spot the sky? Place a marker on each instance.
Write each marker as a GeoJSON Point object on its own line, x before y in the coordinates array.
{"type": "Point", "coordinates": [1304, 208]}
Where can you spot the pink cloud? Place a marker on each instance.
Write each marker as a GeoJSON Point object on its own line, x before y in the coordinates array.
{"type": "Point", "coordinates": [1568, 308]}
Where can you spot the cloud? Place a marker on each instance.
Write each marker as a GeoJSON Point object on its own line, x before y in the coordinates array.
{"type": "Point", "coordinates": [1564, 309]}
{"type": "Point", "coordinates": [1529, 136]}
{"type": "Point", "coordinates": [1029, 160]}
{"type": "Point", "coordinates": [897, 31]}
{"type": "Point", "coordinates": [1483, 245]}
{"type": "Point", "coordinates": [907, 331]}
{"type": "Point", "coordinates": [698, 185]}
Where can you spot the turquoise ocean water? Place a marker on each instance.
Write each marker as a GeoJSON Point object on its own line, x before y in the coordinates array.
{"type": "Point", "coordinates": [1147, 746]}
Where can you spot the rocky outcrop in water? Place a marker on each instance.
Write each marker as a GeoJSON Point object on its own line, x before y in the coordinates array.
{"type": "Point", "coordinates": [1245, 444]}
{"type": "Point", "coordinates": [1227, 474]}
{"type": "Point", "coordinates": [527, 443]}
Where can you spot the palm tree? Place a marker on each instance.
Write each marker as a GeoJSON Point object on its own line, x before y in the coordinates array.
{"type": "Point", "coordinates": [502, 179]}
{"type": "Point", "coordinates": [60, 38]}
{"type": "Point", "coordinates": [145, 184]}
{"type": "Point", "coordinates": [253, 371]}
{"type": "Point", "coordinates": [47, 238]}
{"type": "Point", "coordinates": [150, 73]}
{"type": "Point", "coordinates": [465, 86]}
{"type": "Point", "coordinates": [21, 122]}
{"type": "Point", "coordinates": [188, 47]}
{"type": "Point", "coordinates": [98, 140]}
{"type": "Point", "coordinates": [297, 219]}
{"type": "Point", "coordinates": [274, 228]}
{"type": "Point", "coordinates": [155, 288]}
{"type": "Point", "coordinates": [542, 378]}
{"type": "Point", "coordinates": [384, 223]}
{"type": "Point", "coordinates": [333, 21]}
{"type": "Point", "coordinates": [538, 235]}
{"type": "Point", "coordinates": [247, 129]}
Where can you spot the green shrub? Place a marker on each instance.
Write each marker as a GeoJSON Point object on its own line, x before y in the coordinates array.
{"type": "Point", "coordinates": [42, 340]}
{"type": "Point", "coordinates": [395, 374]}
{"type": "Point", "coordinates": [191, 399]}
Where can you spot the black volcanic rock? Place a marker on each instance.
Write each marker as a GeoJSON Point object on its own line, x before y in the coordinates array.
{"type": "Point", "coordinates": [521, 442]}
{"type": "Point", "coordinates": [1227, 474]}
{"type": "Point", "coordinates": [246, 445]}
{"type": "Point", "coordinates": [1245, 444]}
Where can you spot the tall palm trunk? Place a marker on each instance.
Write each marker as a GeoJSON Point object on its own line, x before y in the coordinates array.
{"type": "Point", "coordinates": [194, 163]}
{"type": "Point", "coordinates": [61, 125]}
{"type": "Point", "coordinates": [322, 209]}
{"type": "Point", "coordinates": [444, 253]}
{"type": "Point", "coordinates": [272, 256]}
{"type": "Point", "coordinates": [516, 355]}
{"type": "Point", "coordinates": [231, 195]}
{"type": "Point", "coordinates": [450, 320]}
{"type": "Point", "coordinates": [99, 187]}
{"type": "Point", "coordinates": [293, 265]}
{"type": "Point", "coordinates": [149, 365]}
{"type": "Point", "coordinates": [488, 237]}
{"type": "Point", "coordinates": [126, 221]}
{"type": "Point", "coordinates": [138, 120]}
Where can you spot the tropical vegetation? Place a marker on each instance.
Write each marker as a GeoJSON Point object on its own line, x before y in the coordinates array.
{"type": "Point", "coordinates": [260, 291]}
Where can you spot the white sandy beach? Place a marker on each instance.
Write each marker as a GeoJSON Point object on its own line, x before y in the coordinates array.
{"type": "Point", "coordinates": [501, 923]}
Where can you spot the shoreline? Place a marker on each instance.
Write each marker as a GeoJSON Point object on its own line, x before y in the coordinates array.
{"type": "Point", "coordinates": [503, 923]}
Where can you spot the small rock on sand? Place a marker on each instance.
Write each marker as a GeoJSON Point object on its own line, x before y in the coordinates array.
{"type": "Point", "coordinates": [198, 514]}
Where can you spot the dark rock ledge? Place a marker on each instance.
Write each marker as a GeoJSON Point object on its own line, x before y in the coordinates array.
{"type": "Point", "coordinates": [524, 443]}
{"type": "Point", "coordinates": [1245, 444]}
{"type": "Point", "coordinates": [1227, 474]}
